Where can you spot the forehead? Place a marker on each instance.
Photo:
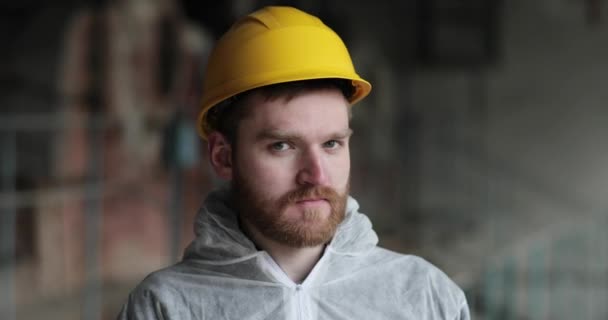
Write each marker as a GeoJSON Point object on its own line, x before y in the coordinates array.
{"type": "Point", "coordinates": [308, 113]}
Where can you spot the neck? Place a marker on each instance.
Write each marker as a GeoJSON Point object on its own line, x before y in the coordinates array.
{"type": "Point", "coordinates": [295, 262]}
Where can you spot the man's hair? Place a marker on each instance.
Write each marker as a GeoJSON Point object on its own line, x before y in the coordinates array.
{"type": "Point", "coordinates": [226, 115]}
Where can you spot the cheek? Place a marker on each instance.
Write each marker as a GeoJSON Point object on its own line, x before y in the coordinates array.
{"type": "Point", "coordinates": [267, 172]}
{"type": "Point", "coordinates": [341, 171]}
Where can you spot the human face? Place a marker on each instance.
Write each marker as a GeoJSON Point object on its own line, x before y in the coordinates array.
{"type": "Point", "coordinates": [291, 167]}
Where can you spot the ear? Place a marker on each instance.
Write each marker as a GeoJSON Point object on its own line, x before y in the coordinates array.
{"type": "Point", "coordinates": [220, 154]}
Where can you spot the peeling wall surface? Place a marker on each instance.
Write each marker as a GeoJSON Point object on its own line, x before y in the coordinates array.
{"type": "Point", "coordinates": [490, 167]}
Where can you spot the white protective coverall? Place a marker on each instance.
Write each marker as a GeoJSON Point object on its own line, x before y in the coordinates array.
{"type": "Point", "coordinates": [224, 276]}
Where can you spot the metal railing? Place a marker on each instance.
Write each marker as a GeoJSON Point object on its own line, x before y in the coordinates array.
{"type": "Point", "coordinates": [559, 273]}
{"type": "Point", "coordinates": [91, 191]}
{"type": "Point", "coordinates": [11, 200]}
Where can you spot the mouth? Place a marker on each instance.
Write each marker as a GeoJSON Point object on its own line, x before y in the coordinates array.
{"type": "Point", "coordinates": [311, 200]}
{"type": "Point", "coordinates": [308, 202]}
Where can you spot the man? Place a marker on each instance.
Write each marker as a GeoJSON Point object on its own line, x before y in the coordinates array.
{"type": "Point", "coordinates": [285, 240]}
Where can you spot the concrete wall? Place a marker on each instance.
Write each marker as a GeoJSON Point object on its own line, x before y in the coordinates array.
{"type": "Point", "coordinates": [530, 168]}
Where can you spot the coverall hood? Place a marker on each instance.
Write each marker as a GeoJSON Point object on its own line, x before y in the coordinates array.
{"type": "Point", "coordinates": [219, 239]}
{"type": "Point", "coordinates": [223, 276]}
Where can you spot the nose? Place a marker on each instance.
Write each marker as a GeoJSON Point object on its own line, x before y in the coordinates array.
{"type": "Point", "coordinates": [312, 169]}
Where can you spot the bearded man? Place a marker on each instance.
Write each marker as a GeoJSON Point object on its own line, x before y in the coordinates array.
{"type": "Point", "coordinates": [285, 240]}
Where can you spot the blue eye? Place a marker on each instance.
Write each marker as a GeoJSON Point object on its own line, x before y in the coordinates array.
{"type": "Point", "coordinates": [279, 146]}
{"type": "Point", "coordinates": [331, 144]}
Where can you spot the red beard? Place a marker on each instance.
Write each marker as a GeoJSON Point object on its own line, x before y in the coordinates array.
{"type": "Point", "coordinates": [268, 215]}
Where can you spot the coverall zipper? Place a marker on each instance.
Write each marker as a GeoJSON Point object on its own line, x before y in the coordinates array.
{"type": "Point", "coordinates": [300, 303]}
{"type": "Point", "coordinates": [282, 277]}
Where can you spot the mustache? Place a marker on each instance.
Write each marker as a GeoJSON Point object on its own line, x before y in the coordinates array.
{"type": "Point", "coordinates": [309, 192]}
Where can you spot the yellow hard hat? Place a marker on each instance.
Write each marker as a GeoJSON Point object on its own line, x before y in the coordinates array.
{"type": "Point", "coordinates": [275, 45]}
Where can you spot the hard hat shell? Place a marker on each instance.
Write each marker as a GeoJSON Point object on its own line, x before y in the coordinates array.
{"type": "Point", "coordinates": [275, 45]}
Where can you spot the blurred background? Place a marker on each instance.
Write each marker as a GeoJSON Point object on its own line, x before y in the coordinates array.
{"type": "Point", "coordinates": [481, 148]}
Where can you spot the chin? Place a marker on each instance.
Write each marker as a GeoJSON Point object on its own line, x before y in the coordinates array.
{"type": "Point", "coordinates": [307, 214]}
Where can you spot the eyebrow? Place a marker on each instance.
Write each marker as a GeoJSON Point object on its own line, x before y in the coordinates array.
{"type": "Point", "coordinates": [342, 135]}
{"type": "Point", "coordinates": [284, 135]}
